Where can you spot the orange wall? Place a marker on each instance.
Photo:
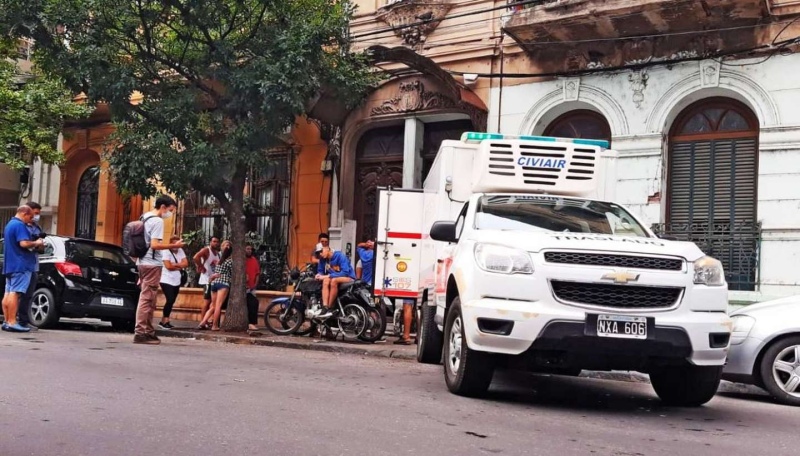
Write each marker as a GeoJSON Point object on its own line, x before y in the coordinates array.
{"type": "Point", "coordinates": [310, 193]}
{"type": "Point", "coordinates": [83, 148]}
{"type": "Point", "coordinates": [310, 190]}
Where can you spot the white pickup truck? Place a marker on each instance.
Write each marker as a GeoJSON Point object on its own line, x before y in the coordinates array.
{"type": "Point", "coordinates": [518, 259]}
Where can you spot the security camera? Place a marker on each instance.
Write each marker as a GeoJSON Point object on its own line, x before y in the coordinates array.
{"type": "Point", "coordinates": [470, 79]}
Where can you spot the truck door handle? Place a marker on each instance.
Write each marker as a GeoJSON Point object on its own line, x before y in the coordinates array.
{"type": "Point", "coordinates": [440, 261]}
{"type": "Point", "coordinates": [396, 255]}
{"type": "Point", "coordinates": [413, 245]}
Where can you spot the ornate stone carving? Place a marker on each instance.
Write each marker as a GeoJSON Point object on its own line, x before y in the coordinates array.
{"type": "Point", "coordinates": [572, 89]}
{"type": "Point", "coordinates": [413, 97]}
{"type": "Point", "coordinates": [414, 20]}
{"type": "Point", "coordinates": [709, 73]}
{"type": "Point", "coordinates": [638, 80]}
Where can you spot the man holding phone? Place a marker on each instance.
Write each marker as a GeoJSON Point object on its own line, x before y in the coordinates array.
{"type": "Point", "coordinates": [150, 266]}
{"type": "Point", "coordinates": [18, 265]}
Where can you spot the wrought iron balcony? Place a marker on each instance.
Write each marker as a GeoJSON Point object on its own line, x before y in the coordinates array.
{"type": "Point", "coordinates": [585, 34]}
{"type": "Point", "coordinates": [736, 245]}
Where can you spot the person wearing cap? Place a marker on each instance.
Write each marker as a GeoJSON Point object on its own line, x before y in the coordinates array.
{"type": "Point", "coordinates": [333, 270]}
{"type": "Point", "coordinates": [323, 240]}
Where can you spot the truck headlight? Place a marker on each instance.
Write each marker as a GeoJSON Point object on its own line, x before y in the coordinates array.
{"type": "Point", "coordinates": [708, 271]}
{"type": "Point", "coordinates": [503, 260]}
{"type": "Point", "coordinates": [742, 325]}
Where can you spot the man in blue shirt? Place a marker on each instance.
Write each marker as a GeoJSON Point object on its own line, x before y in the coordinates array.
{"type": "Point", "coordinates": [366, 255]}
{"type": "Point", "coordinates": [19, 263]}
{"type": "Point", "coordinates": [23, 313]}
{"type": "Point", "coordinates": [334, 269]}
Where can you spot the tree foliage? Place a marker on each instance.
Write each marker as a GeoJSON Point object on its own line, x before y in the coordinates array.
{"type": "Point", "coordinates": [33, 109]}
{"type": "Point", "coordinates": [198, 90]}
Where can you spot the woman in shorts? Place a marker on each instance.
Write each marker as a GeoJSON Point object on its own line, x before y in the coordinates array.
{"type": "Point", "coordinates": [220, 287]}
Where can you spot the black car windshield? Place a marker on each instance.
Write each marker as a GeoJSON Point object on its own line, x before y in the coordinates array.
{"type": "Point", "coordinates": [555, 214]}
{"type": "Point", "coordinates": [90, 251]}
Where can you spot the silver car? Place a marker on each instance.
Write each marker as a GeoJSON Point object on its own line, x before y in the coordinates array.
{"type": "Point", "coordinates": [765, 348]}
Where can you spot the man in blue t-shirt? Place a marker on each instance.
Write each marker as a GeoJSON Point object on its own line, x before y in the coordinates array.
{"type": "Point", "coordinates": [19, 263]}
{"type": "Point", "coordinates": [366, 255]}
{"type": "Point", "coordinates": [23, 312]}
{"type": "Point", "coordinates": [339, 271]}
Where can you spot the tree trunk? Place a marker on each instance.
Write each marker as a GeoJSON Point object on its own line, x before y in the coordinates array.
{"type": "Point", "coordinates": [236, 314]}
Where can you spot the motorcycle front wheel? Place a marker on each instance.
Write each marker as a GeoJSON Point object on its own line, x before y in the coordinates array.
{"type": "Point", "coordinates": [283, 318]}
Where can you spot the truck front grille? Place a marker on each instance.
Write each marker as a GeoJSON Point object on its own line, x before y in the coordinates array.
{"type": "Point", "coordinates": [620, 261]}
{"type": "Point", "coordinates": [616, 296]}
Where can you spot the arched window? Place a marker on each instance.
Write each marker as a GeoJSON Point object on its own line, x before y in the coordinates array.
{"type": "Point", "coordinates": [712, 182]}
{"type": "Point", "coordinates": [86, 217]}
{"type": "Point", "coordinates": [581, 123]}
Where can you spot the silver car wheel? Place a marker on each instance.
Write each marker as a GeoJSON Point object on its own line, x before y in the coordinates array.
{"type": "Point", "coordinates": [454, 358]}
{"type": "Point", "coordinates": [786, 370]}
{"type": "Point", "coordinates": [40, 308]}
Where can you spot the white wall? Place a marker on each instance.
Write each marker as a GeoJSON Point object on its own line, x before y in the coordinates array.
{"type": "Point", "coordinates": [641, 108]}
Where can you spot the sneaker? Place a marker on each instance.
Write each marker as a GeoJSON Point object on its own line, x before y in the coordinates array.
{"type": "Point", "coordinates": [325, 313]}
{"type": "Point", "coordinates": [16, 327]}
{"type": "Point", "coordinates": [153, 337]}
{"type": "Point", "coordinates": [31, 327]}
{"type": "Point", "coordinates": [5, 326]}
{"type": "Point", "coordinates": [166, 325]}
{"type": "Point", "coordinates": [145, 339]}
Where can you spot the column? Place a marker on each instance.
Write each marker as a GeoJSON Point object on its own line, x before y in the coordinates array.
{"type": "Point", "coordinates": [412, 157]}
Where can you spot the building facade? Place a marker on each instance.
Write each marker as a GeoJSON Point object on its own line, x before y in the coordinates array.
{"type": "Point", "coordinates": [697, 97]}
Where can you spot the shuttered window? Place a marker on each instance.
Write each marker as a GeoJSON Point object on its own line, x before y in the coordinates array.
{"type": "Point", "coordinates": [712, 181]}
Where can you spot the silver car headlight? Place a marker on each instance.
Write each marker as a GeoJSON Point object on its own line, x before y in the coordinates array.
{"type": "Point", "coordinates": [708, 271]}
{"type": "Point", "coordinates": [503, 260]}
{"type": "Point", "coordinates": [742, 325]}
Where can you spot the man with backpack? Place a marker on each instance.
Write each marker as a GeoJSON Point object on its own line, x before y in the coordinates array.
{"type": "Point", "coordinates": [142, 239]}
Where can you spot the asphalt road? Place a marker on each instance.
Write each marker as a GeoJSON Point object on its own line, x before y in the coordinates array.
{"type": "Point", "coordinates": [91, 392]}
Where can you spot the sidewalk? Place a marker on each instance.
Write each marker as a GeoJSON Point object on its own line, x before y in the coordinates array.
{"type": "Point", "coordinates": [387, 349]}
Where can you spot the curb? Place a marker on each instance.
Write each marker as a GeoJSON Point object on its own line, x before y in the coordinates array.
{"type": "Point", "coordinates": [620, 376]}
{"type": "Point", "coordinates": [265, 342]}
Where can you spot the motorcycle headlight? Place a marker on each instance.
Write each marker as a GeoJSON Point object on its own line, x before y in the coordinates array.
{"type": "Point", "coordinates": [503, 260]}
{"type": "Point", "coordinates": [708, 271]}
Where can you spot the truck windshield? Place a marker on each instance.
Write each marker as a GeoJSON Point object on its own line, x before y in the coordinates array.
{"type": "Point", "coordinates": [555, 214]}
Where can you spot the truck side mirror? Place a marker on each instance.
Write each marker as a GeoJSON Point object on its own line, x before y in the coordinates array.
{"type": "Point", "coordinates": [444, 231]}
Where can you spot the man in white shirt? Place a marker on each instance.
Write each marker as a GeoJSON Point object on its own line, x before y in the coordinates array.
{"type": "Point", "coordinates": [150, 268]}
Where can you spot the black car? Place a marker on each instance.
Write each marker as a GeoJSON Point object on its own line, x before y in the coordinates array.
{"type": "Point", "coordinates": [79, 278]}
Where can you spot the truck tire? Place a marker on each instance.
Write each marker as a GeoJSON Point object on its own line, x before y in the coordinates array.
{"type": "Point", "coordinates": [686, 386]}
{"type": "Point", "coordinates": [467, 372]}
{"type": "Point", "coordinates": [429, 339]}
{"type": "Point", "coordinates": [776, 366]}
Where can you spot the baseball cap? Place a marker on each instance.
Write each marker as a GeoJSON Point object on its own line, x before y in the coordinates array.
{"type": "Point", "coordinates": [318, 248]}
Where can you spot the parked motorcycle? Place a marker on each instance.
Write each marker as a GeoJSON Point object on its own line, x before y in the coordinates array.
{"type": "Point", "coordinates": [357, 314]}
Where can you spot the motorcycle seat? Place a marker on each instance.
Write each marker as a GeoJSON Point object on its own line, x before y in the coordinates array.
{"type": "Point", "coordinates": [345, 287]}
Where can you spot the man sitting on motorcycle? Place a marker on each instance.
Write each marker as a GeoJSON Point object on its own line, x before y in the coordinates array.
{"type": "Point", "coordinates": [334, 269]}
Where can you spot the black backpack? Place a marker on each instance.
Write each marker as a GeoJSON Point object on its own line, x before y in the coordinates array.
{"type": "Point", "coordinates": [133, 243]}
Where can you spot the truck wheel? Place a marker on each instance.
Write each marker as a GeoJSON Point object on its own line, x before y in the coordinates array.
{"type": "Point", "coordinates": [467, 372]}
{"type": "Point", "coordinates": [686, 386]}
{"type": "Point", "coordinates": [779, 370]}
{"type": "Point", "coordinates": [429, 339]}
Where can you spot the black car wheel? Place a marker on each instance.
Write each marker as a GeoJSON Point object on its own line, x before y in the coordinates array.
{"type": "Point", "coordinates": [44, 310]}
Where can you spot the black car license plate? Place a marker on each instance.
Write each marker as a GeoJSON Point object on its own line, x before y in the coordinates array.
{"type": "Point", "coordinates": [619, 326]}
